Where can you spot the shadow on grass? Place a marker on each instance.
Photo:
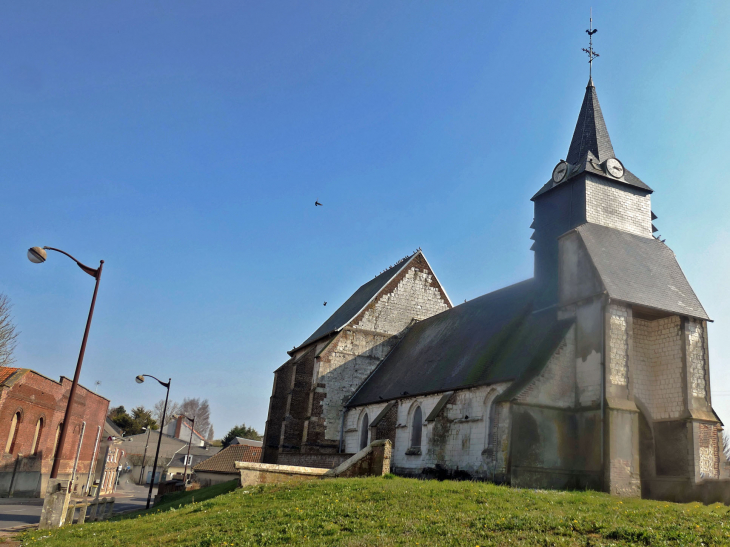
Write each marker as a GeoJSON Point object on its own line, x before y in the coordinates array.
{"type": "Point", "coordinates": [176, 499]}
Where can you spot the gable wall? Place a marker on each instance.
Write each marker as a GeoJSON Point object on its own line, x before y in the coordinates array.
{"type": "Point", "coordinates": [342, 367]}
{"type": "Point", "coordinates": [618, 206]}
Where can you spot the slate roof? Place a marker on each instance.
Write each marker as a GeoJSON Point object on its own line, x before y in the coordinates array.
{"type": "Point", "coordinates": [491, 339]}
{"type": "Point", "coordinates": [640, 270]}
{"type": "Point", "coordinates": [356, 302]}
{"type": "Point", "coordinates": [591, 145]}
{"type": "Point", "coordinates": [224, 461]}
{"type": "Point", "coordinates": [591, 134]}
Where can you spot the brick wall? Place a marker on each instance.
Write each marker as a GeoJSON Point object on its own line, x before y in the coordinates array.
{"type": "Point", "coordinates": [616, 206]}
{"type": "Point", "coordinates": [709, 452]}
{"type": "Point", "coordinates": [37, 397]}
{"type": "Point", "coordinates": [658, 366]}
{"type": "Point", "coordinates": [555, 386]}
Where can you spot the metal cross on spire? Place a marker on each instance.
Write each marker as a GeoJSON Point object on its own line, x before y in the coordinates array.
{"type": "Point", "coordinates": [591, 54]}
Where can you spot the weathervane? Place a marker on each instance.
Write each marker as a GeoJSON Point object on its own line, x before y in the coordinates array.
{"type": "Point", "coordinates": [591, 54]}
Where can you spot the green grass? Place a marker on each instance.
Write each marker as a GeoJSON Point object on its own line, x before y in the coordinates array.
{"type": "Point", "coordinates": [395, 511]}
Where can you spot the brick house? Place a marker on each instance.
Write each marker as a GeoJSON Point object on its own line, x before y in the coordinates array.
{"type": "Point", "coordinates": [31, 412]}
{"type": "Point", "coordinates": [593, 373]}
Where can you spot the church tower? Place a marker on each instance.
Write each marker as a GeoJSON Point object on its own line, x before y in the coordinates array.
{"type": "Point", "coordinates": [590, 185]}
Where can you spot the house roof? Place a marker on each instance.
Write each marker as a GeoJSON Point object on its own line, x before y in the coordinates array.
{"type": "Point", "coordinates": [640, 270]}
{"type": "Point", "coordinates": [491, 339]}
{"type": "Point", "coordinates": [249, 442]}
{"type": "Point", "coordinates": [224, 461]}
{"type": "Point", "coordinates": [199, 456]}
{"type": "Point", "coordinates": [355, 304]}
{"type": "Point", "coordinates": [6, 373]}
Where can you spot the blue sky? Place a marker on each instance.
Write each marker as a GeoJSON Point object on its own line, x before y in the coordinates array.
{"type": "Point", "coordinates": [185, 144]}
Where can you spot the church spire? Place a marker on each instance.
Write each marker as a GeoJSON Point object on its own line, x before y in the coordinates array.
{"type": "Point", "coordinates": [590, 133]}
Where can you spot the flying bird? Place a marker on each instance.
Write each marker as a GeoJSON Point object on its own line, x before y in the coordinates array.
{"type": "Point", "coordinates": [317, 203]}
{"type": "Point", "coordinates": [325, 303]}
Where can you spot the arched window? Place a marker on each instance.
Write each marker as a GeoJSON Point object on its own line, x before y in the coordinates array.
{"type": "Point", "coordinates": [492, 426]}
{"type": "Point", "coordinates": [37, 437]}
{"type": "Point", "coordinates": [416, 428]}
{"type": "Point", "coordinates": [13, 434]}
{"type": "Point", "coordinates": [364, 425]}
{"type": "Point", "coordinates": [55, 443]}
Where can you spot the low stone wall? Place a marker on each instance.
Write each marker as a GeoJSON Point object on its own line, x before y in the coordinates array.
{"type": "Point", "coordinates": [681, 490]}
{"type": "Point", "coordinates": [325, 461]}
{"type": "Point", "coordinates": [373, 460]}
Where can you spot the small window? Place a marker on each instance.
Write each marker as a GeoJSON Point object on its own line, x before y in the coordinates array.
{"type": "Point", "coordinates": [13, 434]}
{"type": "Point", "coordinates": [188, 459]}
{"type": "Point", "coordinates": [417, 428]}
{"type": "Point", "coordinates": [365, 424]}
{"type": "Point", "coordinates": [37, 437]}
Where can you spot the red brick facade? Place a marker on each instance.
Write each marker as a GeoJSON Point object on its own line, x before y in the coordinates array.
{"type": "Point", "coordinates": [31, 411]}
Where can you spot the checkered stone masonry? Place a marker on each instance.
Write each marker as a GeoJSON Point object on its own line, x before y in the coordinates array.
{"type": "Point", "coordinates": [658, 361]}
{"type": "Point", "coordinates": [619, 341]}
{"type": "Point", "coordinates": [709, 452]}
{"type": "Point", "coordinates": [697, 359]}
{"type": "Point", "coordinates": [609, 204]}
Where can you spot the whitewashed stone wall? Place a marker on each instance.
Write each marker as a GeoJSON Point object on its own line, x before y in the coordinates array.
{"type": "Point", "coordinates": [619, 345]}
{"type": "Point", "coordinates": [616, 206]}
{"type": "Point", "coordinates": [454, 440]}
{"type": "Point", "coordinates": [555, 386]}
{"type": "Point", "coordinates": [413, 298]}
{"type": "Point", "coordinates": [658, 358]}
{"type": "Point", "coordinates": [345, 364]}
{"type": "Point", "coordinates": [697, 358]}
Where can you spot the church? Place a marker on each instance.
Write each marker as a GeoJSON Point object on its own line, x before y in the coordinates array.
{"type": "Point", "coordinates": [594, 373]}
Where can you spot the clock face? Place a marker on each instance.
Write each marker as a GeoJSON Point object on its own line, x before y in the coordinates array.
{"type": "Point", "coordinates": [614, 168]}
{"type": "Point", "coordinates": [560, 172]}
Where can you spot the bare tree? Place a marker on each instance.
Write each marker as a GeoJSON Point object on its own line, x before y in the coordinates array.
{"type": "Point", "coordinates": [726, 445]}
{"type": "Point", "coordinates": [8, 334]}
{"type": "Point", "coordinates": [172, 408]}
{"type": "Point", "coordinates": [211, 434]}
{"type": "Point", "coordinates": [194, 407]}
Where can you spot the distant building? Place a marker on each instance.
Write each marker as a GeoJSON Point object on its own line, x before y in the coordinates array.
{"type": "Point", "coordinates": [221, 468]}
{"type": "Point", "coordinates": [31, 412]}
{"type": "Point", "coordinates": [180, 428]}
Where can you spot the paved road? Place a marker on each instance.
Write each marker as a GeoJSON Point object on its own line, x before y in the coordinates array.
{"type": "Point", "coordinates": [16, 512]}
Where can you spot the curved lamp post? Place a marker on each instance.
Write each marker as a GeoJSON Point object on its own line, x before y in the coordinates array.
{"type": "Point", "coordinates": [192, 430]}
{"type": "Point", "coordinates": [37, 255]}
{"type": "Point", "coordinates": [140, 379]}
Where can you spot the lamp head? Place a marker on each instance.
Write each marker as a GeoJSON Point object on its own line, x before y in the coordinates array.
{"type": "Point", "coordinates": [37, 255]}
{"type": "Point", "coordinates": [139, 379]}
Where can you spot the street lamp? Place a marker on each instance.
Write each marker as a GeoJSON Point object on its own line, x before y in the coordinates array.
{"type": "Point", "coordinates": [37, 255]}
{"type": "Point", "coordinates": [192, 429]}
{"type": "Point", "coordinates": [140, 379]}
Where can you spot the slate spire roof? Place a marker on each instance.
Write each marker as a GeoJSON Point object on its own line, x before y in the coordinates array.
{"type": "Point", "coordinates": [590, 133]}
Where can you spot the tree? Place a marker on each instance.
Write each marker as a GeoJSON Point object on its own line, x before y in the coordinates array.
{"type": "Point", "coordinates": [132, 425]}
{"type": "Point", "coordinates": [211, 434]}
{"type": "Point", "coordinates": [200, 410]}
{"type": "Point", "coordinates": [8, 334]}
{"type": "Point", "coordinates": [726, 444]}
{"type": "Point", "coordinates": [241, 431]}
{"type": "Point", "coordinates": [172, 408]}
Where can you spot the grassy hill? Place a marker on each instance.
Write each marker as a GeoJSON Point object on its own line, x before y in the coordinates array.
{"type": "Point", "coordinates": [393, 511]}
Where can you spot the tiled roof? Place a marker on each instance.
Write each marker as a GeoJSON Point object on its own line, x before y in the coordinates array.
{"type": "Point", "coordinates": [224, 461]}
{"type": "Point", "coordinates": [6, 372]}
{"type": "Point", "coordinates": [640, 270]}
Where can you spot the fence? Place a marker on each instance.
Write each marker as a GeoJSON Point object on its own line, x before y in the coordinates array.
{"type": "Point", "coordinates": [99, 509]}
